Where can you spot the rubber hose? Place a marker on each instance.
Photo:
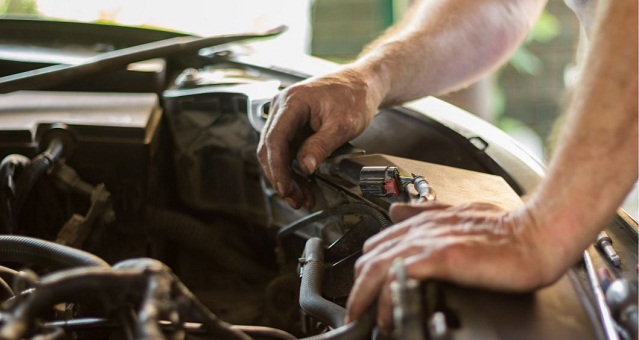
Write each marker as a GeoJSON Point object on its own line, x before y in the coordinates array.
{"type": "Point", "coordinates": [44, 253]}
{"type": "Point", "coordinates": [264, 332]}
{"type": "Point", "coordinates": [311, 299]}
{"type": "Point", "coordinates": [356, 330]}
{"type": "Point", "coordinates": [34, 171]}
{"type": "Point", "coordinates": [27, 180]}
{"type": "Point", "coordinates": [8, 167]}
{"type": "Point", "coordinates": [162, 286]}
{"type": "Point", "coordinates": [70, 285]}
{"type": "Point", "coordinates": [199, 237]}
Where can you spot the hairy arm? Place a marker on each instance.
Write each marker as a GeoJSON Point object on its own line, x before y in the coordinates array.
{"type": "Point", "coordinates": [440, 46]}
{"type": "Point", "coordinates": [595, 163]}
{"type": "Point", "coordinates": [443, 45]}
{"type": "Point", "coordinates": [593, 169]}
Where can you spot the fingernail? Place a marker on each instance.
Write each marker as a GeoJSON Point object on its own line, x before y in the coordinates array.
{"type": "Point", "coordinates": [280, 189]}
{"type": "Point", "coordinates": [309, 163]}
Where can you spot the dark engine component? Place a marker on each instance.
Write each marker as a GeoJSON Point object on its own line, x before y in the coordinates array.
{"type": "Point", "coordinates": [380, 181]}
{"type": "Point", "coordinates": [111, 140]}
{"type": "Point", "coordinates": [113, 203]}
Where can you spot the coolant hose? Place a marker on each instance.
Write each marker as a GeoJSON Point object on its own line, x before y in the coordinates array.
{"type": "Point", "coordinates": [311, 299]}
{"type": "Point", "coordinates": [8, 167]}
{"type": "Point", "coordinates": [34, 171]}
{"type": "Point", "coordinates": [356, 330]}
{"type": "Point", "coordinates": [44, 253]}
{"type": "Point", "coordinates": [326, 311]}
{"type": "Point", "coordinates": [69, 285]}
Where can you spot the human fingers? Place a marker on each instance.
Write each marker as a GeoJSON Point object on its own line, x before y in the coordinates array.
{"type": "Point", "coordinates": [366, 287]}
{"type": "Point", "coordinates": [479, 261]}
{"type": "Point", "coordinates": [431, 221]}
{"type": "Point", "coordinates": [305, 197]}
{"type": "Point", "coordinates": [262, 150]}
{"type": "Point", "coordinates": [372, 276]}
{"type": "Point", "coordinates": [330, 133]}
{"type": "Point", "coordinates": [429, 261]}
{"type": "Point", "coordinates": [387, 234]}
{"type": "Point", "coordinates": [421, 220]}
{"type": "Point", "coordinates": [380, 248]}
{"type": "Point", "coordinates": [275, 147]}
{"type": "Point", "coordinates": [385, 303]}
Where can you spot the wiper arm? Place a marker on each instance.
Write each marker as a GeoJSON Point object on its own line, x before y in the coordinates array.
{"type": "Point", "coordinates": [58, 74]}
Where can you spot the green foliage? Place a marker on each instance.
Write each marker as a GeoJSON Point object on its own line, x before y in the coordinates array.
{"type": "Point", "coordinates": [545, 30]}
{"type": "Point", "coordinates": [525, 62]}
{"type": "Point", "coordinates": [20, 7]}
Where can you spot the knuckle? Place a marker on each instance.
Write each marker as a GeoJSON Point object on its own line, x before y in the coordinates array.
{"type": "Point", "coordinates": [368, 268]}
{"type": "Point", "coordinates": [261, 152]}
{"type": "Point", "coordinates": [291, 93]}
{"type": "Point", "coordinates": [319, 146]}
{"type": "Point", "coordinates": [271, 137]}
{"type": "Point", "coordinates": [345, 128]}
{"type": "Point", "coordinates": [376, 265]}
{"type": "Point", "coordinates": [360, 264]}
{"type": "Point", "coordinates": [368, 245]}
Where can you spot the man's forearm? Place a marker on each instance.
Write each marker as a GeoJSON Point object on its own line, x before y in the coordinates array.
{"type": "Point", "coordinates": [596, 160]}
{"type": "Point", "coordinates": [443, 45]}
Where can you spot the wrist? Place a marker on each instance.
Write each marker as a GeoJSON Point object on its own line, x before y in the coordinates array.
{"type": "Point", "coordinates": [376, 77]}
{"type": "Point", "coordinates": [552, 237]}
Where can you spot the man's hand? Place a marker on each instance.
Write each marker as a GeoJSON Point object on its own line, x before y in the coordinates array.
{"type": "Point", "coordinates": [310, 120]}
{"type": "Point", "coordinates": [476, 244]}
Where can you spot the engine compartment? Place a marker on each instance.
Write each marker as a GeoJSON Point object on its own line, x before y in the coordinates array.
{"type": "Point", "coordinates": [144, 214]}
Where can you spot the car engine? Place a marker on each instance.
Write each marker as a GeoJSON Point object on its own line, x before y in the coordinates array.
{"type": "Point", "coordinates": [133, 205]}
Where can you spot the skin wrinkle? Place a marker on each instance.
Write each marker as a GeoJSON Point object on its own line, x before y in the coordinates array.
{"type": "Point", "coordinates": [446, 251]}
{"type": "Point", "coordinates": [597, 152]}
{"type": "Point", "coordinates": [373, 272]}
{"type": "Point", "coordinates": [379, 75]}
{"type": "Point", "coordinates": [440, 242]}
{"type": "Point", "coordinates": [448, 43]}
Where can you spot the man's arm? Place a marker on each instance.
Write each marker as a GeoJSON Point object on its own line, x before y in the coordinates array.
{"type": "Point", "coordinates": [445, 45]}
{"type": "Point", "coordinates": [442, 45]}
{"type": "Point", "coordinates": [595, 164]}
{"type": "Point", "coordinates": [592, 170]}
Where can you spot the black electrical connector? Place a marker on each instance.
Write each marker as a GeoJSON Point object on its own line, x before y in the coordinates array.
{"type": "Point", "coordinates": [380, 181]}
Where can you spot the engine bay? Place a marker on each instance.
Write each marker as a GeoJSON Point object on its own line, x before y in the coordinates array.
{"type": "Point", "coordinates": [137, 209]}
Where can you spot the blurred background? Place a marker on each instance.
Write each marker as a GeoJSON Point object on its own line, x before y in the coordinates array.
{"type": "Point", "coordinates": [524, 98]}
